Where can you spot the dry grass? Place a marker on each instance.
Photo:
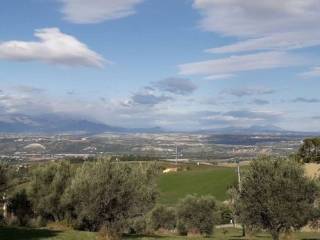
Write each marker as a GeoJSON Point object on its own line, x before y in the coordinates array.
{"type": "Point", "coordinates": [312, 169]}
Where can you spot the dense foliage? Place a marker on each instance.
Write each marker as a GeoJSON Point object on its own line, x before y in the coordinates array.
{"type": "Point", "coordinates": [47, 188]}
{"type": "Point", "coordinates": [196, 215]}
{"type": "Point", "coordinates": [276, 196]}
{"type": "Point", "coordinates": [20, 206]}
{"type": "Point", "coordinates": [310, 150]}
{"type": "Point", "coordinates": [107, 195]}
{"type": "Point", "coordinates": [3, 177]}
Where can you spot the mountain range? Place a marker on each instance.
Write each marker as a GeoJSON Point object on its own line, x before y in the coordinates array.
{"type": "Point", "coordinates": [56, 123]}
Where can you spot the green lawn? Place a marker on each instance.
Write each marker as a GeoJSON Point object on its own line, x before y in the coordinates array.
{"type": "Point", "coordinates": [203, 181]}
{"type": "Point", "coordinates": [44, 234]}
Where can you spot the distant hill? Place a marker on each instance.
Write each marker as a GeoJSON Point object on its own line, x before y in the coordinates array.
{"type": "Point", "coordinates": [253, 130]}
{"type": "Point", "coordinates": [54, 123]}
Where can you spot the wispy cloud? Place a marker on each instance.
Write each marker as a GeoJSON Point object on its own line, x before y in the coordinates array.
{"type": "Point", "coordinates": [29, 89]}
{"type": "Point", "coordinates": [258, 101]}
{"type": "Point", "coordinates": [240, 118]}
{"type": "Point", "coordinates": [94, 11]}
{"type": "Point", "coordinates": [179, 86]}
{"type": "Point", "coordinates": [220, 76]}
{"type": "Point", "coordinates": [279, 41]}
{"type": "Point", "coordinates": [234, 64]}
{"type": "Point", "coordinates": [272, 24]}
{"type": "Point", "coordinates": [314, 72]}
{"type": "Point", "coordinates": [243, 92]}
{"type": "Point", "coordinates": [53, 47]}
{"type": "Point", "coordinates": [306, 100]}
{"type": "Point", "coordinates": [148, 98]}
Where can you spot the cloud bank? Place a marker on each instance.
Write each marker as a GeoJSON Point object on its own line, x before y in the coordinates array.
{"type": "Point", "coordinates": [271, 24]}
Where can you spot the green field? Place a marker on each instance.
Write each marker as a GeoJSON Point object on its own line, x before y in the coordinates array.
{"type": "Point", "coordinates": [203, 181]}
{"type": "Point", "coordinates": [44, 234]}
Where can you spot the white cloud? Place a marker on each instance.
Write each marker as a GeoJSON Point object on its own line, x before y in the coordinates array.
{"type": "Point", "coordinates": [94, 11]}
{"type": "Point", "coordinates": [314, 72]}
{"type": "Point", "coordinates": [220, 76]}
{"type": "Point", "coordinates": [272, 24]}
{"type": "Point", "coordinates": [253, 18]}
{"type": "Point", "coordinates": [53, 47]}
{"type": "Point", "coordinates": [281, 41]}
{"type": "Point", "coordinates": [233, 64]}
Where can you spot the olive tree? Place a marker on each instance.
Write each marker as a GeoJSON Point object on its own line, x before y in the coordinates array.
{"type": "Point", "coordinates": [3, 177]}
{"type": "Point", "coordinates": [276, 196]}
{"type": "Point", "coordinates": [20, 206]}
{"type": "Point", "coordinates": [47, 187]}
{"type": "Point", "coordinates": [106, 195]}
{"type": "Point", "coordinates": [310, 150]}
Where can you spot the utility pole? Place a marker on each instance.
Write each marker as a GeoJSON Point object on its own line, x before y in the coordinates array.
{"type": "Point", "coordinates": [239, 188]}
{"type": "Point", "coordinates": [239, 175]}
{"type": "Point", "coordinates": [176, 154]}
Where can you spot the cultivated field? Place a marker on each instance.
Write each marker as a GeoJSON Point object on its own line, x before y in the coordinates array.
{"type": "Point", "coordinates": [205, 180]}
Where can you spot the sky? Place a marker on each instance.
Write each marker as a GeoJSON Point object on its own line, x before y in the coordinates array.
{"type": "Point", "coordinates": [175, 64]}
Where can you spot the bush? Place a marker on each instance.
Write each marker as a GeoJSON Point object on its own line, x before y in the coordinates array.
{"type": "Point", "coordinates": [224, 214]}
{"type": "Point", "coordinates": [138, 225]}
{"type": "Point", "coordinates": [196, 215]}
{"type": "Point", "coordinates": [163, 217]}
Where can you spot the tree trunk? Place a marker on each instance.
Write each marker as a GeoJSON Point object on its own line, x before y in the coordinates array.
{"type": "Point", "coordinates": [275, 235]}
{"type": "Point", "coordinates": [243, 231]}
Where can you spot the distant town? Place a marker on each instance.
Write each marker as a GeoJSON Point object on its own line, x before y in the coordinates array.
{"type": "Point", "coordinates": [212, 148]}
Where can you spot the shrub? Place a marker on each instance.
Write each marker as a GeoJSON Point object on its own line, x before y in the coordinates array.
{"type": "Point", "coordinates": [138, 225]}
{"type": "Point", "coordinates": [163, 217]}
{"type": "Point", "coordinates": [224, 214]}
{"type": "Point", "coordinates": [196, 215]}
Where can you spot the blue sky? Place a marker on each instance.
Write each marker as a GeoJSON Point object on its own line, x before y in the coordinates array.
{"type": "Point", "coordinates": [183, 64]}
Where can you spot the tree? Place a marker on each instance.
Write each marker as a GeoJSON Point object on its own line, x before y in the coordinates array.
{"type": "Point", "coordinates": [3, 177]}
{"type": "Point", "coordinates": [276, 196]}
{"type": "Point", "coordinates": [163, 217]}
{"type": "Point", "coordinates": [310, 150]}
{"type": "Point", "coordinates": [20, 206]}
{"type": "Point", "coordinates": [47, 188]}
{"type": "Point", "coordinates": [196, 215]}
{"type": "Point", "coordinates": [107, 195]}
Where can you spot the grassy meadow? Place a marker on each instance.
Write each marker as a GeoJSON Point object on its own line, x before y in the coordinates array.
{"type": "Point", "coordinates": [203, 180]}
